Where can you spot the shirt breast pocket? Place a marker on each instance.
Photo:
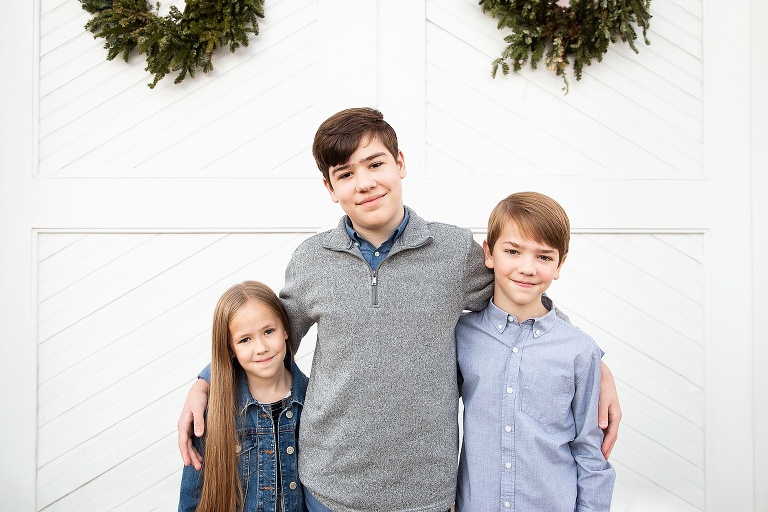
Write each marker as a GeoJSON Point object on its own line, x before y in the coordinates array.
{"type": "Point", "coordinates": [547, 396]}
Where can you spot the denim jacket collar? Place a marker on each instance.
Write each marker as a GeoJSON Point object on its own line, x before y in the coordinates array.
{"type": "Point", "coordinates": [245, 399]}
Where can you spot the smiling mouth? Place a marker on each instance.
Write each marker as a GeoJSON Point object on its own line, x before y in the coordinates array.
{"type": "Point", "coordinates": [262, 361]}
{"type": "Point", "coordinates": [524, 284]}
{"type": "Point", "coordinates": [370, 199]}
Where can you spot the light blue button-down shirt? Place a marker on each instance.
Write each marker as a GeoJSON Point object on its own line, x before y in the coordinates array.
{"type": "Point", "coordinates": [531, 440]}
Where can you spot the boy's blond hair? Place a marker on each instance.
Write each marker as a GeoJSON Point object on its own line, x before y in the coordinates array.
{"type": "Point", "coordinates": [537, 217]}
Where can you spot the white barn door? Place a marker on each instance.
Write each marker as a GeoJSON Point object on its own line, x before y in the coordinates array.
{"type": "Point", "coordinates": [649, 155]}
{"type": "Point", "coordinates": [127, 211]}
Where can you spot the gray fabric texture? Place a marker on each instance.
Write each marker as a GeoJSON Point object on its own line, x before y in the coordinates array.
{"type": "Point", "coordinates": [379, 429]}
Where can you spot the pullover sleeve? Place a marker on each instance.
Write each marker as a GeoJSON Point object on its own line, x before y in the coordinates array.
{"type": "Point", "coordinates": [478, 279]}
{"type": "Point", "coordinates": [292, 296]}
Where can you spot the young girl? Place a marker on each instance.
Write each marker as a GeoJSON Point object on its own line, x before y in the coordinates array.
{"type": "Point", "coordinates": [257, 393]}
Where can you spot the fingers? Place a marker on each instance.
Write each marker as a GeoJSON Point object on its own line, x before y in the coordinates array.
{"type": "Point", "coordinates": [192, 417]}
{"type": "Point", "coordinates": [184, 440]}
{"type": "Point", "coordinates": [611, 433]}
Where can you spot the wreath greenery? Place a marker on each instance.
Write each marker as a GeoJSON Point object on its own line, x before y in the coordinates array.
{"type": "Point", "coordinates": [559, 30]}
{"type": "Point", "coordinates": [180, 42]}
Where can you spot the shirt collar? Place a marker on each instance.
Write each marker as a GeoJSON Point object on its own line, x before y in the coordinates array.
{"type": "Point", "coordinates": [245, 399]}
{"type": "Point", "coordinates": [354, 235]}
{"type": "Point", "coordinates": [501, 319]}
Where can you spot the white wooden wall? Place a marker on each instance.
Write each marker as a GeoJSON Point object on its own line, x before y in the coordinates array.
{"type": "Point", "coordinates": [125, 212]}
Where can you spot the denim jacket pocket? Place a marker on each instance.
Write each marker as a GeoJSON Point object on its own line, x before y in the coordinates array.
{"type": "Point", "coordinates": [547, 396]}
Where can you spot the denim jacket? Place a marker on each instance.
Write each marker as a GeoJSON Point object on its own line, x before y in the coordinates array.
{"type": "Point", "coordinates": [257, 453]}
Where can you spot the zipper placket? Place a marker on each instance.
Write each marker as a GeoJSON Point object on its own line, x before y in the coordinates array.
{"type": "Point", "coordinates": [374, 288]}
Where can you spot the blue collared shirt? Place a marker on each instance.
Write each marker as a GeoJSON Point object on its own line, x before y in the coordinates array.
{"type": "Point", "coordinates": [374, 256]}
{"type": "Point", "coordinates": [531, 439]}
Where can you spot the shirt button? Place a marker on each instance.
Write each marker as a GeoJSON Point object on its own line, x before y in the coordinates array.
{"type": "Point", "coordinates": [510, 390]}
{"type": "Point", "coordinates": [501, 327]}
{"type": "Point", "coordinates": [508, 428]}
{"type": "Point", "coordinates": [376, 254]}
{"type": "Point", "coordinates": [515, 350]}
{"type": "Point", "coordinates": [538, 332]}
{"type": "Point", "coordinates": [292, 486]}
{"type": "Point", "coordinates": [289, 414]}
{"type": "Point", "coordinates": [508, 465]}
{"type": "Point", "coordinates": [289, 450]}
{"type": "Point", "coordinates": [357, 244]}
{"type": "Point", "coordinates": [506, 504]}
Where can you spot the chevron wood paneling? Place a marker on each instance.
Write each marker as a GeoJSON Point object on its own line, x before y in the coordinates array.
{"type": "Point", "coordinates": [632, 115]}
{"type": "Point", "coordinates": [640, 296]}
{"type": "Point", "coordinates": [124, 322]}
{"type": "Point", "coordinates": [99, 118]}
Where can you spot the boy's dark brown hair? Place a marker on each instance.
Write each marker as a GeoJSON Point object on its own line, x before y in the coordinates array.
{"type": "Point", "coordinates": [341, 134]}
{"type": "Point", "coordinates": [536, 216]}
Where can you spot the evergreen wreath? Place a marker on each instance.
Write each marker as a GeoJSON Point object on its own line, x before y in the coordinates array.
{"type": "Point", "coordinates": [557, 30]}
{"type": "Point", "coordinates": [179, 41]}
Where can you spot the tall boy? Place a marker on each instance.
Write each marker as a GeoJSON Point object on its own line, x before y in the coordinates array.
{"type": "Point", "coordinates": [530, 379]}
{"type": "Point", "coordinates": [385, 288]}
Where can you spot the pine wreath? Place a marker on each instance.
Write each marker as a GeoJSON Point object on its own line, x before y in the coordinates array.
{"type": "Point", "coordinates": [180, 42]}
{"type": "Point", "coordinates": [563, 29]}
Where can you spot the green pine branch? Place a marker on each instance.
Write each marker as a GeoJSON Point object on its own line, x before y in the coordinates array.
{"type": "Point", "coordinates": [180, 42]}
{"type": "Point", "coordinates": [578, 33]}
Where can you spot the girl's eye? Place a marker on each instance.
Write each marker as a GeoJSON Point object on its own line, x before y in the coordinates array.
{"type": "Point", "coordinates": [269, 331]}
{"type": "Point", "coordinates": [244, 340]}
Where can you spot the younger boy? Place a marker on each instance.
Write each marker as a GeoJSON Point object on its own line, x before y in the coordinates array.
{"type": "Point", "coordinates": [530, 379]}
{"type": "Point", "coordinates": [385, 288]}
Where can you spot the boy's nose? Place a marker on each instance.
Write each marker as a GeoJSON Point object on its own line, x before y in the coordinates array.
{"type": "Point", "coordinates": [525, 266]}
{"type": "Point", "coordinates": [365, 181]}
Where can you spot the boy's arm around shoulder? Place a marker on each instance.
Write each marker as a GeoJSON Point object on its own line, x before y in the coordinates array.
{"type": "Point", "coordinates": [191, 481]}
{"type": "Point", "coordinates": [596, 476]}
{"type": "Point", "coordinates": [608, 407]}
{"type": "Point", "coordinates": [298, 281]}
{"type": "Point", "coordinates": [478, 279]}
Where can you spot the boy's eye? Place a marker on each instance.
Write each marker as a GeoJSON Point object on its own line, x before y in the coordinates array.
{"type": "Point", "coordinates": [512, 251]}
{"type": "Point", "coordinates": [545, 257]}
{"type": "Point", "coordinates": [344, 175]}
{"type": "Point", "coordinates": [376, 164]}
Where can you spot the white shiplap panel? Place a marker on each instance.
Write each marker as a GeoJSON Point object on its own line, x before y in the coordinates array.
{"type": "Point", "coordinates": [641, 297]}
{"type": "Point", "coordinates": [627, 117]}
{"type": "Point", "coordinates": [111, 382]}
{"type": "Point", "coordinates": [658, 367]}
{"type": "Point", "coordinates": [99, 118]}
{"type": "Point", "coordinates": [181, 134]}
{"type": "Point", "coordinates": [137, 300]}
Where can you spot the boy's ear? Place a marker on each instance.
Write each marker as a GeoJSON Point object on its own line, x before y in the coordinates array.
{"type": "Point", "coordinates": [560, 266]}
{"type": "Point", "coordinates": [329, 188]}
{"type": "Point", "coordinates": [488, 256]}
{"type": "Point", "coordinates": [401, 164]}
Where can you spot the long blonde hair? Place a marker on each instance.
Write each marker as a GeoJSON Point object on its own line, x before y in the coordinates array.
{"type": "Point", "coordinates": [222, 490]}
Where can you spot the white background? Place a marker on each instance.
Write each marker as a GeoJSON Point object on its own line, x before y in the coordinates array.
{"type": "Point", "coordinates": [125, 212]}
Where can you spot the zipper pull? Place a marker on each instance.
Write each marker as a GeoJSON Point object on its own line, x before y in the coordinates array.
{"type": "Point", "coordinates": [374, 290]}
